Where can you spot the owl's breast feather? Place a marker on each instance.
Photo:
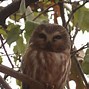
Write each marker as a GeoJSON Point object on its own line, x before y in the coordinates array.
{"type": "Point", "coordinates": [47, 67]}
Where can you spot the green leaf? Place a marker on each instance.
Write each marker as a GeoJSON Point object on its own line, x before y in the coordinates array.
{"type": "Point", "coordinates": [29, 27]}
{"type": "Point", "coordinates": [15, 17]}
{"type": "Point", "coordinates": [18, 82]}
{"type": "Point", "coordinates": [29, 14]}
{"type": "Point", "coordinates": [10, 26]}
{"type": "Point", "coordinates": [15, 59]}
{"type": "Point", "coordinates": [22, 6]}
{"type": "Point", "coordinates": [2, 32]}
{"type": "Point", "coordinates": [20, 46]}
{"type": "Point", "coordinates": [81, 17]}
{"type": "Point", "coordinates": [13, 34]}
{"type": "Point", "coordinates": [1, 60]}
{"type": "Point", "coordinates": [57, 1]}
{"type": "Point", "coordinates": [45, 0]}
{"type": "Point", "coordinates": [85, 64]}
{"type": "Point", "coordinates": [41, 18]}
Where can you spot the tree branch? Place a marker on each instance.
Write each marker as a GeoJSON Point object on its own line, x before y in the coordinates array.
{"type": "Point", "coordinates": [83, 47]}
{"type": "Point", "coordinates": [4, 84]}
{"type": "Point", "coordinates": [7, 11]}
{"type": "Point", "coordinates": [80, 71]}
{"type": "Point", "coordinates": [12, 8]}
{"type": "Point", "coordinates": [72, 13]}
{"type": "Point", "coordinates": [33, 83]}
{"type": "Point", "coordinates": [62, 12]}
{"type": "Point", "coordinates": [44, 11]}
{"type": "Point", "coordinates": [61, 2]}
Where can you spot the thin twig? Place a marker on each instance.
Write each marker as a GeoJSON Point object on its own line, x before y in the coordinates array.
{"type": "Point", "coordinates": [3, 44]}
{"type": "Point", "coordinates": [4, 84]}
{"type": "Point", "coordinates": [44, 11]}
{"type": "Point", "coordinates": [71, 15]}
{"type": "Point", "coordinates": [76, 32]}
{"type": "Point", "coordinates": [6, 51]}
{"type": "Point", "coordinates": [50, 7]}
{"type": "Point", "coordinates": [74, 36]}
{"type": "Point", "coordinates": [83, 47]}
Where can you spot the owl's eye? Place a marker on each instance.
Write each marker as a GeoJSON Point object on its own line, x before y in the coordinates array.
{"type": "Point", "coordinates": [42, 36]}
{"type": "Point", "coordinates": [57, 37]}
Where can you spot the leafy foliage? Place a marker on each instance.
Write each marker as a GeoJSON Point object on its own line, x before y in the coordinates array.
{"type": "Point", "coordinates": [13, 34]}
{"type": "Point", "coordinates": [20, 46]}
{"type": "Point", "coordinates": [85, 64]}
{"type": "Point", "coordinates": [0, 59]}
{"type": "Point", "coordinates": [81, 18]}
{"type": "Point", "coordinates": [29, 28]}
{"type": "Point", "coordinates": [3, 32]}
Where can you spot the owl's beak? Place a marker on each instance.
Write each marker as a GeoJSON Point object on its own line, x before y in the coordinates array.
{"type": "Point", "coordinates": [48, 46]}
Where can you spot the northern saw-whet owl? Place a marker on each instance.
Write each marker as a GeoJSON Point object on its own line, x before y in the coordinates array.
{"type": "Point", "coordinates": [47, 58]}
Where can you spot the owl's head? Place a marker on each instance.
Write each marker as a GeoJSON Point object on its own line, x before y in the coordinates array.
{"type": "Point", "coordinates": [50, 37]}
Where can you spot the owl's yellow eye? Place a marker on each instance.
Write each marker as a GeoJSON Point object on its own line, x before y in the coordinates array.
{"type": "Point", "coordinates": [57, 37]}
{"type": "Point", "coordinates": [42, 36]}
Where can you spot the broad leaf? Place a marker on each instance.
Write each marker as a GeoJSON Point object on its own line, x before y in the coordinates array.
{"type": "Point", "coordinates": [81, 18]}
{"type": "Point", "coordinates": [85, 64]}
{"type": "Point", "coordinates": [1, 60]}
{"type": "Point", "coordinates": [13, 34]}
{"type": "Point", "coordinates": [22, 7]}
{"type": "Point", "coordinates": [29, 27]}
{"type": "Point", "coordinates": [29, 14]}
{"type": "Point", "coordinates": [3, 32]}
{"type": "Point", "coordinates": [18, 82]}
{"type": "Point", "coordinates": [40, 19]}
{"type": "Point", "coordinates": [20, 46]}
{"type": "Point", "coordinates": [15, 17]}
{"type": "Point", "coordinates": [57, 1]}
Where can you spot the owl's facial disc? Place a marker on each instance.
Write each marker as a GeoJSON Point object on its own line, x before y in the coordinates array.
{"type": "Point", "coordinates": [47, 41]}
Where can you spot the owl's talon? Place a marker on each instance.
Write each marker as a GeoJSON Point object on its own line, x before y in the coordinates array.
{"type": "Point", "coordinates": [53, 86]}
{"type": "Point", "coordinates": [49, 86]}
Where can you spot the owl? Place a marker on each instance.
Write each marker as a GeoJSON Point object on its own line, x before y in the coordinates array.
{"type": "Point", "coordinates": [47, 58]}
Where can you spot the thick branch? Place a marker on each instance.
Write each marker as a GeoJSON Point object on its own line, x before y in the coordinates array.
{"type": "Point", "coordinates": [80, 71]}
{"type": "Point", "coordinates": [7, 11]}
{"type": "Point", "coordinates": [12, 8]}
{"type": "Point", "coordinates": [62, 12]}
{"type": "Point", "coordinates": [33, 84]}
{"type": "Point", "coordinates": [4, 84]}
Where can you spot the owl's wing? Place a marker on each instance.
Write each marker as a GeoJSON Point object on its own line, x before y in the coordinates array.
{"type": "Point", "coordinates": [24, 85]}
{"type": "Point", "coordinates": [25, 60]}
{"type": "Point", "coordinates": [24, 67]}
